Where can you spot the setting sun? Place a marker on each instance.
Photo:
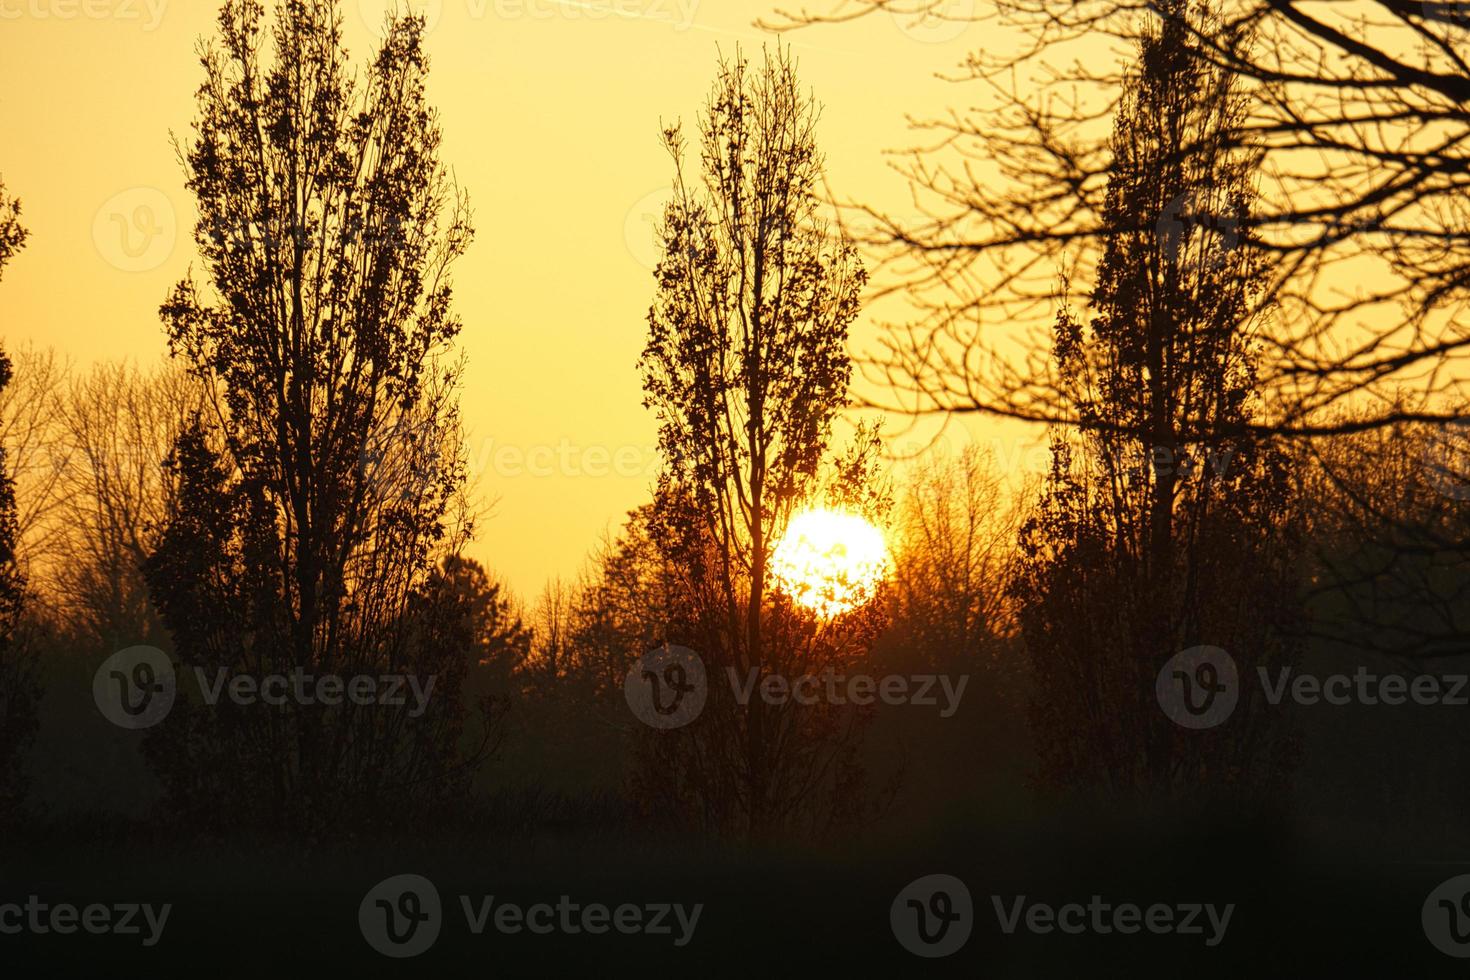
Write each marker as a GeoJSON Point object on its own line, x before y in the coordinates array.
{"type": "Point", "coordinates": [830, 561]}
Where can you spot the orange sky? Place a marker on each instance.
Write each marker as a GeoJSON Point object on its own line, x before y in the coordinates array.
{"type": "Point", "coordinates": [551, 111]}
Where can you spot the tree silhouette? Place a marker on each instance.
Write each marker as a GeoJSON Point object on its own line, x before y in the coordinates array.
{"type": "Point", "coordinates": [19, 691]}
{"type": "Point", "coordinates": [314, 490]}
{"type": "Point", "coordinates": [1358, 114]}
{"type": "Point", "coordinates": [1164, 523]}
{"type": "Point", "coordinates": [746, 367]}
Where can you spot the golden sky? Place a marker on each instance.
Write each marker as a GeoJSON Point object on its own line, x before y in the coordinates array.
{"type": "Point", "coordinates": [551, 111]}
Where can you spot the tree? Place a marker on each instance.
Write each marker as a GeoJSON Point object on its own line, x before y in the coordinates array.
{"type": "Point", "coordinates": [1165, 523]}
{"type": "Point", "coordinates": [19, 691]}
{"type": "Point", "coordinates": [1359, 113]}
{"type": "Point", "coordinates": [115, 427]}
{"type": "Point", "coordinates": [314, 490]}
{"type": "Point", "coordinates": [746, 367]}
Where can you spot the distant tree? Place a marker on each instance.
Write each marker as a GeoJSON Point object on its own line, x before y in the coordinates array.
{"type": "Point", "coordinates": [498, 634]}
{"type": "Point", "coordinates": [19, 692]}
{"type": "Point", "coordinates": [30, 409]}
{"type": "Point", "coordinates": [314, 490]}
{"type": "Point", "coordinates": [746, 367]}
{"type": "Point", "coordinates": [1163, 524]}
{"type": "Point", "coordinates": [957, 533]}
{"type": "Point", "coordinates": [115, 427]}
{"type": "Point", "coordinates": [1389, 527]}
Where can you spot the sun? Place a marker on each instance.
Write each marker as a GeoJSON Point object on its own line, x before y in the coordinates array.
{"type": "Point", "coordinates": [830, 561]}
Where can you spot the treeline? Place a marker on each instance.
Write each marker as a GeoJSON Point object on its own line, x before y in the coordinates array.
{"type": "Point", "coordinates": [288, 497]}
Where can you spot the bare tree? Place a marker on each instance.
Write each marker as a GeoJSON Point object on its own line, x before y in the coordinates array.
{"type": "Point", "coordinates": [1358, 111]}
{"type": "Point", "coordinates": [30, 432]}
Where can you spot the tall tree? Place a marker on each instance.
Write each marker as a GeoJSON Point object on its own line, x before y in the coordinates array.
{"type": "Point", "coordinates": [1360, 110]}
{"type": "Point", "coordinates": [18, 689]}
{"type": "Point", "coordinates": [1164, 523]}
{"type": "Point", "coordinates": [746, 366]}
{"type": "Point", "coordinates": [314, 490]}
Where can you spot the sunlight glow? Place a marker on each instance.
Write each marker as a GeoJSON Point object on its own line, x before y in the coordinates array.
{"type": "Point", "coordinates": [830, 561]}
